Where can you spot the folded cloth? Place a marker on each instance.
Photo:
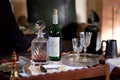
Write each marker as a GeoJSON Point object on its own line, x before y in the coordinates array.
{"type": "Point", "coordinates": [113, 62]}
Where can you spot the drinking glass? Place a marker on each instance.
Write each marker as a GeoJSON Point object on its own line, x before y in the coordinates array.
{"type": "Point", "coordinates": [87, 40]}
{"type": "Point", "coordinates": [86, 36]}
{"type": "Point", "coordinates": [77, 47]}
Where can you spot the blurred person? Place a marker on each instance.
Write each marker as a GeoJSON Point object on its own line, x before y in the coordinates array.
{"type": "Point", "coordinates": [12, 39]}
{"type": "Point", "coordinates": [93, 18]}
{"type": "Point", "coordinates": [26, 27]}
{"type": "Point", "coordinates": [22, 21]}
{"type": "Point", "coordinates": [81, 28]}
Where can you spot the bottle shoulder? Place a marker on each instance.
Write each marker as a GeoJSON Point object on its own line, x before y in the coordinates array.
{"type": "Point", "coordinates": [55, 28]}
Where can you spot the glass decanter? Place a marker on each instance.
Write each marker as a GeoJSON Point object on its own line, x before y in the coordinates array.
{"type": "Point", "coordinates": [39, 45]}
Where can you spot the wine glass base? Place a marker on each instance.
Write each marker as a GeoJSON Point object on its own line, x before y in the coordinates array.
{"type": "Point", "coordinates": [84, 60]}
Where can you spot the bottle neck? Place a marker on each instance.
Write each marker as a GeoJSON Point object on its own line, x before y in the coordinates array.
{"type": "Point", "coordinates": [55, 19]}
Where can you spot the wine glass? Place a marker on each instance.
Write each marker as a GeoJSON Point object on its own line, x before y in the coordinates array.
{"type": "Point", "coordinates": [87, 40]}
{"type": "Point", "coordinates": [86, 36]}
{"type": "Point", "coordinates": [77, 47]}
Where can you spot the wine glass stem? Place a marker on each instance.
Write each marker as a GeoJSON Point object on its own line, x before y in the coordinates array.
{"type": "Point", "coordinates": [85, 49]}
{"type": "Point", "coordinates": [85, 58]}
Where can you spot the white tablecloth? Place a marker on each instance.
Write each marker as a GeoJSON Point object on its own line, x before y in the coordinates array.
{"type": "Point", "coordinates": [51, 67]}
{"type": "Point", "coordinates": [113, 62]}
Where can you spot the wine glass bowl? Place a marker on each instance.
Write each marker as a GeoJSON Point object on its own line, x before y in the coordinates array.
{"type": "Point", "coordinates": [77, 47]}
{"type": "Point", "coordinates": [76, 43]}
{"type": "Point", "coordinates": [86, 39]}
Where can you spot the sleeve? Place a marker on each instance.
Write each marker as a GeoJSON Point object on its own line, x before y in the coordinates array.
{"type": "Point", "coordinates": [10, 33]}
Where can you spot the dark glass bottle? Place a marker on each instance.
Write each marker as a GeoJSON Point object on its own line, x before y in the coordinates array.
{"type": "Point", "coordinates": [55, 37]}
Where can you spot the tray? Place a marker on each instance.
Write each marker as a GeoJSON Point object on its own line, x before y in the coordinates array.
{"type": "Point", "coordinates": [77, 60]}
{"type": "Point", "coordinates": [7, 67]}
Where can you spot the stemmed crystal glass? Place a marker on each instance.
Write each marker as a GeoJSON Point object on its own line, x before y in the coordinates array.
{"type": "Point", "coordinates": [86, 36]}
{"type": "Point", "coordinates": [87, 40]}
{"type": "Point", "coordinates": [77, 47]}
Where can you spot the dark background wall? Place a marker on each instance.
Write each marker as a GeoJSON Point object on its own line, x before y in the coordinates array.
{"type": "Point", "coordinates": [43, 10]}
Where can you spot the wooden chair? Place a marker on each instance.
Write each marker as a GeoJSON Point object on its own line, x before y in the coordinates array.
{"type": "Point", "coordinates": [98, 71]}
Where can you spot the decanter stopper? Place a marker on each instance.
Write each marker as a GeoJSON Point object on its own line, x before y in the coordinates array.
{"type": "Point", "coordinates": [40, 25]}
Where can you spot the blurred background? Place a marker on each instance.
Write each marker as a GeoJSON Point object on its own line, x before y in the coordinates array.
{"type": "Point", "coordinates": [74, 11]}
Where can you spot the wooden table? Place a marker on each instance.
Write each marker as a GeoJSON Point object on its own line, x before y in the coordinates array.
{"type": "Point", "coordinates": [5, 76]}
{"type": "Point", "coordinates": [115, 74]}
{"type": "Point", "coordinates": [63, 75]}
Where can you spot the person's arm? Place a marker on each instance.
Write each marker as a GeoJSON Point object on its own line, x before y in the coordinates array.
{"type": "Point", "coordinates": [12, 35]}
